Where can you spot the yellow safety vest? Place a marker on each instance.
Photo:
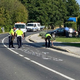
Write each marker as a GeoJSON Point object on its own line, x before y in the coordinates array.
{"type": "Point", "coordinates": [11, 32]}
{"type": "Point", "coordinates": [19, 33]}
{"type": "Point", "coordinates": [47, 35]}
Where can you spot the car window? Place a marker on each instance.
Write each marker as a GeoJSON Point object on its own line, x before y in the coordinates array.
{"type": "Point", "coordinates": [59, 30]}
{"type": "Point", "coordinates": [34, 25]}
{"type": "Point", "coordinates": [56, 29]}
{"type": "Point", "coordinates": [19, 26]}
{"type": "Point", "coordinates": [62, 30]}
{"type": "Point", "coordinates": [39, 25]}
{"type": "Point", "coordinates": [29, 24]}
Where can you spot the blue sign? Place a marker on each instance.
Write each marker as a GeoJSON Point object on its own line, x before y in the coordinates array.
{"type": "Point", "coordinates": [72, 19]}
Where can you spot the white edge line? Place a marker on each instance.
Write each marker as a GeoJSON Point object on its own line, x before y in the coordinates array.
{"type": "Point", "coordinates": [69, 78]}
{"type": "Point", "coordinates": [27, 58]}
{"type": "Point", "coordinates": [53, 70]}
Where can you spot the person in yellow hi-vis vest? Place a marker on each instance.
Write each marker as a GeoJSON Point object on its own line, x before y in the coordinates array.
{"type": "Point", "coordinates": [48, 38]}
{"type": "Point", "coordinates": [11, 37]}
{"type": "Point", "coordinates": [20, 35]}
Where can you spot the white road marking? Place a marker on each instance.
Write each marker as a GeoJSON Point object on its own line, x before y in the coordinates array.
{"type": "Point", "coordinates": [41, 65]}
{"type": "Point", "coordinates": [43, 55]}
{"type": "Point", "coordinates": [27, 58]}
{"type": "Point", "coordinates": [62, 52]}
{"type": "Point", "coordinates": [21, 55]}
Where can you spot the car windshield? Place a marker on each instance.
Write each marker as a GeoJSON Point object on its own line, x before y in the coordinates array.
{"type": "Point", "coordinates": [56, 29]}
{"type": "Point", "coordinates": [30, 25]}
{"type": "Point", "coordinates": [19, 26]}
{"type": "Point", "coordinates": [39, 25]}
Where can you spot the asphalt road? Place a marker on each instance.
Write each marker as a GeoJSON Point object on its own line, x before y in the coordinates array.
{"type": "Point", "coordinates": [35, 63]}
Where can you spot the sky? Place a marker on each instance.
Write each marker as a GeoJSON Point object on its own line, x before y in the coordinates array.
{"type": "Point", "coordinates": [78, 1]}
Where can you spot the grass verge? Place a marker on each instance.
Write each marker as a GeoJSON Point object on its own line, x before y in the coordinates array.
{"type": "Point", "coordinates": [74, 41]}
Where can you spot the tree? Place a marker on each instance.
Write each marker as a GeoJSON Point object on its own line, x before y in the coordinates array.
{"type": "Point", "coordinates": [12, 11]}
{"type": "Point", "coordinates": [72, 8]}
{"type": "Point", "coordinates": [51, 11]}
{"type": "Point", "coordinates": [2, 18]}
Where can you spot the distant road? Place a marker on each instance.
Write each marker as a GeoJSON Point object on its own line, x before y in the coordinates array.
{"type": "Point", "coordinates": [35, 63]}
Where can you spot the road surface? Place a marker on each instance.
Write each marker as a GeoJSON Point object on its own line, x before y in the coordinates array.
{"type": "Point", "coordinates": [35, 63]}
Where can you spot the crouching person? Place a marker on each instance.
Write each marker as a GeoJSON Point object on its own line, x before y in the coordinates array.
{"type": "Point", "coordinates": [47, 40]}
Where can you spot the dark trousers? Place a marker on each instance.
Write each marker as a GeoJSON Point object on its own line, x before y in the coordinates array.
{"type": "Point", "coordinates": [10, 41]}
{"type": "Point", "coordinates": [19, 41]}
{"type": "Point", "coordinates": [47, 42]}
{"type": "Point", "coordinates": [67, 34]}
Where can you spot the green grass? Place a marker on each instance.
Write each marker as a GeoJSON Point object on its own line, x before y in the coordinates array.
{"type": "Point", "coordinates": [74, 41]}
{"type": "Point", "coordinates": [64, 39]}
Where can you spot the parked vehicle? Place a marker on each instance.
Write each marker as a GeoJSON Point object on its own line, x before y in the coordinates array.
{"type": "Point", "coordinates": [35, 26]}
{"type": "Point", "coordinates": [22, 26]}
{"type": "Point", "coordinates": [42, 27]}
{"type": "Point", "coordinates": [31, 27]}
{"type": "Point", "coordinates": [61, 32]}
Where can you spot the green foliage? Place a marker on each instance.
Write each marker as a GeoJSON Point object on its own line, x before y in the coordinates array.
{"type": "Point", "coordinates": [64, 39]}
{"type": "Point", "coordinates": [51, 12]}
{"type": "Point", "coordinates": [0, 30]}
{"type": "Point", "coordinates": [2, 17]}
{"type": "Point", "coordinates": [47, 12]}
{"type": "Point", "coordinates": [78, 20]}
{"type": "Point", "coordinates": [20, 13]}
{"type": "Point", "coordinates": [8, 27]}
{"type": "Point", "coordinates": [72, 8]}
{"type": "Point", "coordinates": [71, 24]}
{"type": "Point", "coordinates": [12, 11]}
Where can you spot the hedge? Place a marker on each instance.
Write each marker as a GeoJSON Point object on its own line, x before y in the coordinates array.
{"type": "Point", "coordinates": [71, 25]}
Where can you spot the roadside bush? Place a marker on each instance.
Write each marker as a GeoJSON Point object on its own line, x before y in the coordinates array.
{"type": "Point", "coordinates": [78, 20]}
{"type": "Point", "coordinates": [42, 34]}
{"type": "Point", "coordinates": [7, 28]}
{"type": "Point", "coordinates": [78, 23]}
{"type": "Point", "coordinates": [0, 30]}
{"type": "Point", "coordinates": [71, 24]}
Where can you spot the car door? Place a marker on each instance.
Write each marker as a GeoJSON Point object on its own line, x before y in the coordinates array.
{"type": "Point", "coordinates": [35, 27]}
{"type": "Point", "coordinates": [60, 32]}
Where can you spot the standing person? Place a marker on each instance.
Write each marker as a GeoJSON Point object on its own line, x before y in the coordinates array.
{"type": "Point", "coordinates": [66, 31]}
{"type": "Point", "coordinates": [19, 34]}
{"type": "Point", "coordinates": [47, 37]}
{"type": "Point", "coordinates": [11, 37]}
